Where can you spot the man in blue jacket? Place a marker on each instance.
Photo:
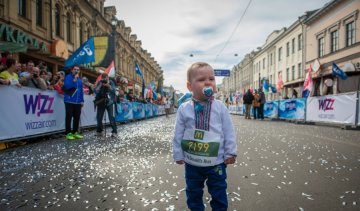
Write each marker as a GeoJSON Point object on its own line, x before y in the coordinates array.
{"type": "Point", "coordinates": [74, 101]}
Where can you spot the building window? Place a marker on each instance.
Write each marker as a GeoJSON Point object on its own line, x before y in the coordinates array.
{"type": "Point", "coordinates": [280, 53]}
{"type": "Point", "coordinates": [57, 20]}
{"type": "Point", "coordinates": [334, 36]}
{"type": "Point", "coordinates": [321, 46]}
{"type": "Point", "coordinates": [81, 34]}
{"type": "Point", "coordinates": [293, 72]}
{"type": "Point", "coordinates": [350, 34]}
{"type": "Point", "coordinates": [300, 42]}
{"type": "Point", "coordinates": [263, 63]}
{"type": "Point", "coordinates": [271, 58]}
{"type": "Point", "coordinates": [299, 71]}
{"type": "Point", "coordinates": [287, 49]}
{"type": "Point", "coordinates": [293, 46]}
{"type": "Point", "coordinates": [287, 74]}
{"type": "Point", "coordinates": [22, 8]}
{"type": "Point", "coordinates": [68, 28]}
{"type": "Point", "coordinates": [39, 12]}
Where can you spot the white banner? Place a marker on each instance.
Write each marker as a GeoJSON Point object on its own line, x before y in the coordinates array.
{"type": "Point", "coordinates": [339, 108]}
{"type": "Point", "coordinates": [28, 111]}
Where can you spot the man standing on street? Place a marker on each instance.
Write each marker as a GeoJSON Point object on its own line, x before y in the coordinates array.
{"type": "Point", "coordinates": [262, 103]}
{"type": "Point", "coordinates": [248, 99]}
{"type": "Point", "coordinates": [105, 100]}
{"type": "Point", "coordinates": [74, 101]}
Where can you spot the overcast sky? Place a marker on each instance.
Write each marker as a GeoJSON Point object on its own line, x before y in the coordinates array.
{"type": "Point", "coordinates": [171, 30]}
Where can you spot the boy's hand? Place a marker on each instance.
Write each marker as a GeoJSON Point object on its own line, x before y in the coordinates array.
{"type": "Point", "coordinates": [230, 160]}
{"type": "Point", "coordinates": [180, 162]}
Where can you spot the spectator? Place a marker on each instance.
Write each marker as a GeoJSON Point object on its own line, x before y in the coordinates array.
{"type": "Point", "coordinates": [248, 99]}
{"type": "Point", "coordinates": [44, 75]}
{"type": "Point", "coordinates": [34, 80]}
{"type": "Point", "coordinates": [58, 84]}
{"type": "Point", "coordinates": [256, 104]}
{"type": "Point", "coordinates": [10, 73]}
{"type": "Point", "coordinates": [262, 103]}
{"type": "Point", "coordinates": [88, 88]}
{"type": "Point", "coordinates": [4, 57]}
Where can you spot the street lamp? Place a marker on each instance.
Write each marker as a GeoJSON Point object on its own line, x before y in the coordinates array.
{"type": "Point", "coordinates": [113, 25]}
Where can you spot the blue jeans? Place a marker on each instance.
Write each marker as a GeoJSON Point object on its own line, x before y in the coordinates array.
{"type": "Point", "coordinates": [215, 177]}
{"type": "Point", "coordinates": [100, 115]}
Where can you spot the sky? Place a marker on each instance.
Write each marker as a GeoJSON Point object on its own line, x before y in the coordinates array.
{"type": "Point", "coordinates": [219, 32]}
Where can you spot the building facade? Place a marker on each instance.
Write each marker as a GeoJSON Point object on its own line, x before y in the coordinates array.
{"type": "Point", "coordinates": [53, 29]}
{"type": "Point", "coordinates": [332, 35]}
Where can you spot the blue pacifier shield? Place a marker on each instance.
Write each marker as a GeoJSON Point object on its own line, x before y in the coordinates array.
{"type": "Point", "coordinates": [208, 91]}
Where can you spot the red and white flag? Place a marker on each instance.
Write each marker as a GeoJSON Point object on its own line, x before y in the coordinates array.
{"type": "Point", "coordinates": [308, 83]}
{"type": "Point", "coordinates": [109, 70]}
{"type": "Point", "coordinates": [280, 82]}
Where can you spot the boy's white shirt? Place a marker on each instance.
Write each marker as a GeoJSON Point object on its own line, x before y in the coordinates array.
{"type": "Point", "coordinates": [220, 123]}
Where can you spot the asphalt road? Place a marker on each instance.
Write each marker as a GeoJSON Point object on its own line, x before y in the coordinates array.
{"type": "Point", "coordinates": [280, 166]}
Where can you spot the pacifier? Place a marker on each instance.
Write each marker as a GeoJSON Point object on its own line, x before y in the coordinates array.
{"type": "Point", "coordinates": [208, 91]}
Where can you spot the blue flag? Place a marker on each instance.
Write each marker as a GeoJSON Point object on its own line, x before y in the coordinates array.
{"type": "Point", "coordinates": [265, 86]}
{"type": "Point", "coordinates": [273, 88]}
{"type": "Point", "coordinates": [336, 71]}
{"type": "Point", "coordinates": [83, 55]}
{"type": "Point", "coordinates": [138, 71]}
{"type": "Point", "coordinates": [143, 88]}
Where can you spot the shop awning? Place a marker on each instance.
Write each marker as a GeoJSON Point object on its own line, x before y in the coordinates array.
{"type": "Point", "coordinates": [12, 47]}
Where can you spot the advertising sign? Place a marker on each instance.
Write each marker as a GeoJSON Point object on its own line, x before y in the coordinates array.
{"type": "Point", "coordinates": [339, 108]}
{"type": "Point", "coordinates": [124, 112]}
{"type": "Point", "coordinates": [271, 109]}
{"type": "Point", "coordinates": [292, 109]}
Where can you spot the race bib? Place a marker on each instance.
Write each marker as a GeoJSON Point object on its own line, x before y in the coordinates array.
{"type": "Point", "coordinates": [200, 147]}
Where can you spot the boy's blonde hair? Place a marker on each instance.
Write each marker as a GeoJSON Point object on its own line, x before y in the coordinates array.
{"type": "Point", "coordinates": [196, 66]}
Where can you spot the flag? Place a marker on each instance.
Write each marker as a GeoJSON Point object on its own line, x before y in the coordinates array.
{"type": "Point", "coordinates": [308, 83]}
{"type": "Point", "coordinates": [273, 89]}
{"type": "Point", "coordinates": [138, 71]}
{"type": "Point", "coordinates": [83, 55]}
{"type": "Point", "coordinates": [336, 71]}
{"type": "Point", "coordinates": [265, 86]}
{"type": "Point", "coordinates": [143, 89]}
{"type": "Point", "coordinates": [280, 82]}
{"type": "Point", "coordinates": [109, 70]}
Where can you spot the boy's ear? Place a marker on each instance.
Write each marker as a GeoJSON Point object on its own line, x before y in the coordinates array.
{"type": "Point", "coordinates": [188, 85]}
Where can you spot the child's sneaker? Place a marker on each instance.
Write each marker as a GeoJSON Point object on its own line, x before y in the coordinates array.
{"type": "Point", "coordinates": [78, 136]}
{"type": "Point", "coordinates": [70, 136]}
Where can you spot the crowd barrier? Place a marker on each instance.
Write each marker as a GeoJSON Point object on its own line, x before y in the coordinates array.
{"type": "Point", "coordinates": [28, 112]}
{"type": "Point", "coordinates": [338, 109]}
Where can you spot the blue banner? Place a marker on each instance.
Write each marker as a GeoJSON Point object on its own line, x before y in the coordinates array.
{"type": "Point", "coordinates": [292, 109]}
{"type": "Point", "coordinates": [83, 55]}
{"type": "Point", "coordinates": [155, 109]}
{"type": "Point", "coordinates": [148, 110]}
{"type": "Point", "coordinates": [138, 110]}
{"type": "Point", "coordinates": [271, 109]}
{"type": "Point", "coordinates": [124, 112]}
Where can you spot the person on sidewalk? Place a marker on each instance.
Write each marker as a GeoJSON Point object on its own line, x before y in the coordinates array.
{"type": "Point", "coordinates": [248, 99]}
{"type": "Point", "coordinates": [74, 101]}
{"type": "Point", "coordinates": [203, 143]}
{"type": "Point", "coordinates": [256, 104]}
{"type": "Point", "coordinates": [105, 100]}
{"type": "Point", "coordinates": [262, 103]}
